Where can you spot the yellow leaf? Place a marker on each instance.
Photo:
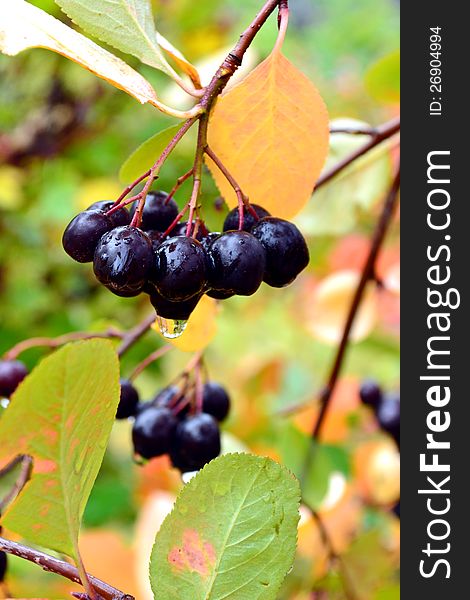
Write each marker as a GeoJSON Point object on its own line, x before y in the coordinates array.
{"type": "Point", "coordinates": [94, 190]}
{"type": "Point", "coordinates": [271, 132]}
{"type": "Point", "coordinates": [201, 327]}
{"type": "Point", "coordinates": [329, 307]}
{"type": "Point", "coordinates": [10, 187]}
{"type": "Point", "coordinates": [24, 26]}
{"type": "Point", "coordinates": [180, 60]}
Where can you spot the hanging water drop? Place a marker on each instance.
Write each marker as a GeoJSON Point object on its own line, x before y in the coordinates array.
{"type": "Point", "coordinates": [171, 328]}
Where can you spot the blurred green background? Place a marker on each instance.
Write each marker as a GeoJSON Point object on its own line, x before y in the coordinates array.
{"type": "Point", "coordinates": [63, 137]}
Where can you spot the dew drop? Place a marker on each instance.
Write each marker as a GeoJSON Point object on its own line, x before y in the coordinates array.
{"type": "Point", "coordinates": [171, 328]}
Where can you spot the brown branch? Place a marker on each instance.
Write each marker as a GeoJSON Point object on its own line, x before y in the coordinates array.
{"type": "Point", "coordinates": [62, 568]}
{"type": "Point", "coordinates": [59, 341]}
{"type": "Point", "coordinates": [367, 274]}
{"type": "Point", "coordinates": [149, 360]}
{"type": "Point", "coordinates": [380, 134]}
{"type": "Point", "coordinates": [132, 336]}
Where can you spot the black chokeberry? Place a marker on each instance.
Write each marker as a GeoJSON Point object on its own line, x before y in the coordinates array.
{"type": "Point", "coordinates": [180, 229]}
{"type": "Point", "coordinates": [83, 233]}
{"type": "Point", "coordinates": [12, 372]}
{"type": "Point", "coordinates": [218, 295]}
{"type": "Point", "coordinates": [128, 402]}
{"type": "Point", "coordinates": [196, 442]}
{"type": "Point", "coordinates": [123, 259]}
{"type": "Point", "coordinates": [388, 414]}
{"type": "Point", "coordinates": [118, 218]}
{"type": "Point", "coordinates": [182, 269]}
{"type": "Point", "coordinates": [156, 237]}
{"type": "Point", "coordinates": [396, 509]}
{"type": "Point", "coordinates": [232, 219]}
{"type": "Point", "coordinates": [207, 240]}
{"type": "Point", "coordinates": [370, 393]}
{"type": "Point", "coordinates": [159, 212]}
{"type": "Point", "coordinates": [237, 263]}
{"type": "Point", "coordinates": [153, 431]}
{"type": "Point", "coordinates": [215, 400]}
{"type": "Point", "coordinates": [178, 311]}
{"type": "Point", "coordinates": [3, 566]}
{"type": "Point", "coordinates": [165, 396]}
{"type": "Point", "coordinates": [286, 250]}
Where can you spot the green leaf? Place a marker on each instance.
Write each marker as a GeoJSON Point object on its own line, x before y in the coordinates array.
{"type": "Point", "coordinates": [294, 446]}
{"type": "Point", "coordinates": [383, 79]}
{"type": "Point", "coordinates": [24, 26]}
{"type": "Point", "coordinates": [127, 25]}
{"type": "Point", "coordinates": [336, 207]}
{"type": "Point", "coordinates": [368, 565]}
{"type": "Point", "coordinates": [61, 415]}
{"type": "Point", "coordinates": [232, 533]}
{"type": "Point", "coordinates": [146, 154]}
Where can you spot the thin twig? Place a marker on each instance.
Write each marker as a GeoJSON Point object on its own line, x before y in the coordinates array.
{"type": "Point", "coordinates": [367, 274]}
{"type": "Point", "coordinates": [179, 183]}
{"type": "Point", "coordinates": [242, 198]}
{"type": "Point", "coordinates": [64, 569]}
{"type": "Point", "coordinates": [74, 336]}
{"type": "Point", "coordinates": [149, 360]}
{"type": "Point", "coordinates": [381, 134]}
{"type": "Point", "coordinates": [135, 334]}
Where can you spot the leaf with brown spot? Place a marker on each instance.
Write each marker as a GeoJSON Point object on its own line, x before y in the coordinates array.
{"type": "Point", "coordinates": [271, 132]}
{"type": "Point", "coordinates": [61, 415]}
{"type": "Point", "coordinates": [231, 534]}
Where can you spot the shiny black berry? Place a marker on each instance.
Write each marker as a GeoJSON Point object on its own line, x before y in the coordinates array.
{"type": "Point", "coordinates": [182, 269]}
{"type": "Point", "coordinates": [118, 218]}
{"type": "Point", "coordinates": [178, 311]}
{"type": "Point", "coordinates": [232, 219]}
{"type": "Point", "coordinates": [153, 431]}
{"type": "Point", "coordinates": [218, 295]}
{"type": "Point", "coordinates": [215, 400]}
{"type": "Point", "coordinates": [396, 509]}
{"type": "Point", "coordinates": [128, 402]}
{"type": "Point", "coordinates": [123, 259]}
{"type": "Point", "coordinates": [286, 250]}
{"type": "Point", "coordinates": [237, 263]}
{"type": "Point", "coordinates": [165, 396]}
{"type": "Point", "coordinates": [3, 566]}
{"type": "Point", "coordinates": [207, 240]}
{"type": "Point", "coordinates": [83, 233]}
{"type": "Point", "coordinates": [370, 393]}
{"type": "Point", "coordinates": [156, 237]}
{"type": "Point", "coordinates": [388, 414]}
{"type": "Point", "coordinates": [196, 442]}
{"type": "Point", "coordinates": [12, 372]}
{"type": "Point", "coordinates": [159, 212]}
{"type": "Point", "coordinates": [180, 229]}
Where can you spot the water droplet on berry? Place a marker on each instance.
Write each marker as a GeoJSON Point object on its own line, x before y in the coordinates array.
{"type": "Point", "coordinates": [171, 328]}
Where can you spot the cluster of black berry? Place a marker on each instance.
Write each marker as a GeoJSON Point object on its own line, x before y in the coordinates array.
{"type": "Point", "coordinates": [386, 406]}
{"type": "Point", "coordinates": [12, 372]}
{"type": "Point", "coordinates": [170, 423]}
{"type": "Point", "coordinates": [176, 271]}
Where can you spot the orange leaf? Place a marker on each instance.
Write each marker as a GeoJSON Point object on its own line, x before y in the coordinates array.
{"type": "Point", "coordinates": [271, 132]}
